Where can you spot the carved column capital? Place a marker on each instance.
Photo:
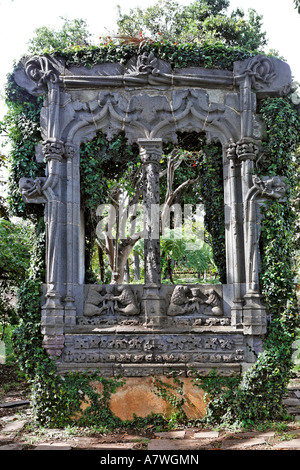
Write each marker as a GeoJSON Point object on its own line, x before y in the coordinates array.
{"type": "Point", "coordinates": [53, 149]}
{"type": "Point", "coordinates": [150, 150]}
{"type": "Point", "coordinates": [247, 149]}
{"type": "Point", "coordinates": [69, 150]}
{"type": "Point", "coordinates": [231, 151]}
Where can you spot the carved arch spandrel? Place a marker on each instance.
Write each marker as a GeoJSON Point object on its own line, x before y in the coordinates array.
{"type": "Point", "coordinates": [151, 116]}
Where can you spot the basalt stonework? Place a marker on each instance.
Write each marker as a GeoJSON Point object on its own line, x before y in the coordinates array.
{"type": "Point", "coordinates": [152, 329]}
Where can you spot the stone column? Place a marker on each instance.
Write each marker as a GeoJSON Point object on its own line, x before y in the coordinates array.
{"type": "Point", "coordinates": [248, 148]}
{"type": "Point", "coordinates": [52, 322]}
{"type": "Point", "coordinates": [234, 235]}
{"type": "Point", "coordinates": [151, 153]}
{"type": "Point", "coordinates": [72, 228]}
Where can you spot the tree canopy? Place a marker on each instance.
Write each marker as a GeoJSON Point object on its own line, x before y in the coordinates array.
{"type": "Point", "coordinates": [72, 33]}
{"type": "Point", "coordinates": [200, 21]}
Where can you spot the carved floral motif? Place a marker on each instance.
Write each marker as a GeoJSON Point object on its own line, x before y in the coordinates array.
{"type": "Point", "coordinates": [261, 71]}
{"type": "Point", "coordinates": [40, 70]}
{"type": "Point", "coordinates": [146, 63]}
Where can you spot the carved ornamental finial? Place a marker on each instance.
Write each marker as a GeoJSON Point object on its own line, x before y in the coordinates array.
{"type": "Point", "coordinates": [40, 70]}
{"type": "Point", "coordinates": [261, 71]}
{"type": "Point", "coordinates": [146, 63]}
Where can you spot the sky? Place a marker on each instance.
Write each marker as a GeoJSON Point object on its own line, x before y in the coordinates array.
{"type": "Point", "coordinates": [19, 19]}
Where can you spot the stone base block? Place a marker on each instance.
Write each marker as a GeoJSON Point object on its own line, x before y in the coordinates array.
{"type": "Point", "coordinates": [53, 344]}
{"type": "Point", "coordinates": [137, 397]}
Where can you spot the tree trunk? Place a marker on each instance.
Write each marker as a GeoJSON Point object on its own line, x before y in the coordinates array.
{"type": "Point", "coordinates": [170, 270]}
{"type": "Point", "coordinates": [137, 273]}
{"type": "Point", "coordinates": [126, 272]}
{"type": "Point", "coordinates": [101, 263]}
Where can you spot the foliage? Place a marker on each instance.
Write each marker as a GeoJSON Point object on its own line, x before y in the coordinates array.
{"type": "Point", "coordinates": [200, 259]}
{"type": "Point", "coordinates": [22, 128]}
{"type": "Point", "coordinates": [220, 396]}
{"type": "Point", "coordinates": [101, 162]}
{"type": "Point", "coordinates": [173, 394]}
{"type": "Point", "coordinates": [217, 55]}
{"type": "Point", "coordinates": [4, 212]}
{"type": "Point", "coordinates": [212, 193]}
{"type": "Point", "coordinates": [16, 240]}
{"type": "Point", "coordinates": [202, 20]}
{"type": "Point", "coordinates": [297, 5]}
{"type": "Point", "coordinates": [71, 34]}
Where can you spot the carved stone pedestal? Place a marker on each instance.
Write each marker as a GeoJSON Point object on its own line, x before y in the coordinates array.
{"type": "Point", "coordinates": [154, 305]}
{"type": "Point", "coordinates": [254, 316]}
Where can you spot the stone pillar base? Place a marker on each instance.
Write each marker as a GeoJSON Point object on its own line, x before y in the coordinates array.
{"type": "Point", "coordinates": [154, 306]}
{"type": "Point", "coordinates": [254, 315]}
{"type": "Point", "coordinates": [54, 345]}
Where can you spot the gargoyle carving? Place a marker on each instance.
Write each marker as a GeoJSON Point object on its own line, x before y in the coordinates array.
{"type": "Point", "coordinates": [32, 189]}
{"type": "Point", "coordinates": [273, 187]}
{"type": "Point", "coordinates": [263, 188]}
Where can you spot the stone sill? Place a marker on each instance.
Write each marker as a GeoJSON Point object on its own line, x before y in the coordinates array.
{"type": "Point", "coordinates": [95, 329]}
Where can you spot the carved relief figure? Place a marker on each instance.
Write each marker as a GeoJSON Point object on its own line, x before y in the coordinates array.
{"type": "Point", "coordinates": [104, 299]}
{"type": "Point", "coordinates": [127, 301]}
{"type": "Point", "coordinates": [191, 300]}
{"type": "Point", "coordinates": [96, 297]}
{"type": "Point", "coordinates": [179, 302]}
{"type": "Point", "coordinates": [197, 299]}
{"type": "Point", "coordinates": [214, 302]}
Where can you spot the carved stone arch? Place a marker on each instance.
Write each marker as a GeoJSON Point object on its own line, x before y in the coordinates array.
{"type": "Point", "coordinates": [151, 102]}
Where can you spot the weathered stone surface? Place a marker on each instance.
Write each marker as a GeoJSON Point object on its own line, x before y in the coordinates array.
{"type": "Point", "coordinates": [292, 444]}
{"type": "Point", "coordinates": [206, 435]}
{"type": "Point", "coordinates": [53, 446]}
{"type": "Point", "coordinates": [137, 397]}
{"type": "Point", "coordinates": [15, 426]}
{"type": "Point", "coordinates": [242, 443]}
{"type": "Point", "coordinates": [170, 434]}
{"type": "Point", "coordinates": [112, 446]}
{"type": "Point", "coordinates": [14, 403]}
{"type": "Point", "coordinates": [16, 446]}
{"type": "Point", "coordinates": [168, 444]}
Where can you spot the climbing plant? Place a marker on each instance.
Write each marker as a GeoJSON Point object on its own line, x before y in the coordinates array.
{"type": "Point", "coordinates": [257, 395]}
